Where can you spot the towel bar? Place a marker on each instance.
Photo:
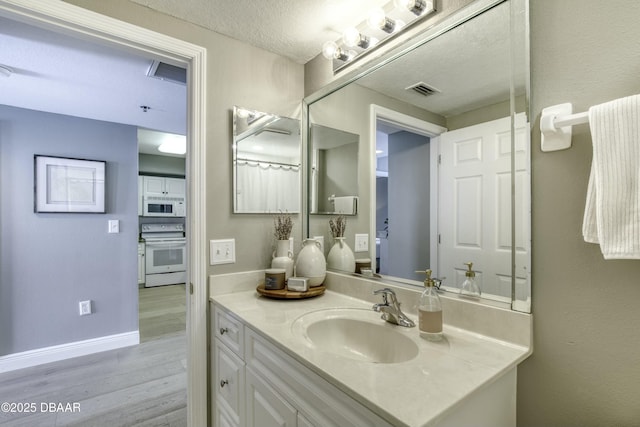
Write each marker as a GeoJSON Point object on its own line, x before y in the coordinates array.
{"type": "Point", "coordinates": [556, 126]}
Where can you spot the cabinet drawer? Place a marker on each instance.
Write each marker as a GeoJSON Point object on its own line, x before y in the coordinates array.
{"type": "Point", "coordinates": [229, 330]}
{"type": "Point", "coordinates": [228, 382]}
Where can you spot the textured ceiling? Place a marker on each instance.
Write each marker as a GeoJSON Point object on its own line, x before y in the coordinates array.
{"type": "Point", "coordinates": [296, 29]}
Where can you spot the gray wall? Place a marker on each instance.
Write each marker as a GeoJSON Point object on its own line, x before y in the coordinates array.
{"type": "Point", "coordinates": [585, 368]}
{"type": "Point", "coordinates": [50, 262]}
{"type": "Point", "coordinates": [408, 210]}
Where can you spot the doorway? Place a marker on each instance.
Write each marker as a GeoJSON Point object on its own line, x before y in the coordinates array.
{"type": "Point", "coordinates": [402, 217]}
{"type": "Point", "coordinates": [62, 17]}
{"type": "Point", "coordinates": [403, 139]}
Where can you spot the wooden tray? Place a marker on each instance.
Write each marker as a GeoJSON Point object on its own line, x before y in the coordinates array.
{"type": "Point", "coordinates": [286, 294]}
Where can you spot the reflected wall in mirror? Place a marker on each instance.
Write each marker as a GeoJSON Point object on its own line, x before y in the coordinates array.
{"type": "Point", "coordinates": [266, 162]}
{"type": "Point", "coordinates": [445, 168]}
{"type": "Point", "coordinates": [333, 181]}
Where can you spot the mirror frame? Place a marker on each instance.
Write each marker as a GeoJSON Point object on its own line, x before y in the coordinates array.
{"type": "Point", "coordinates": [404, 47]}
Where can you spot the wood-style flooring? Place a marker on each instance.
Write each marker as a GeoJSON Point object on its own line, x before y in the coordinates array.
{"type": "Point", "coordinates": [143, 385]}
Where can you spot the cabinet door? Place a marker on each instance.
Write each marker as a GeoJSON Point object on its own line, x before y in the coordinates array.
{"type": "Point", "coordinates": [228, 382]}
{"type": "Point", "coordinates": [154, 186]}
{"type": "Point", "coordinates": [141, 266]}
{"type": "Point", "coordinates": [303, 422]}
{"type": "Point", "coordinates": [266, 407]}
{"type": "Point", "coordinates": [175, 187]}
{"type": "Point", "coordinates": [222, 418]}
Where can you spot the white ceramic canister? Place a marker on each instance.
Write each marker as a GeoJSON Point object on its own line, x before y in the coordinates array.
{"type": "Point", "coordinates": [283, 258]}
{"type": "Point", "coordinates": [341, 256]}
{"type": "Point", "coordinates": [311, 263]}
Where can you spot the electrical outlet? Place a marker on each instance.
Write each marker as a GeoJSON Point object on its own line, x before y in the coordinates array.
{"type": "Point", "coordinates": [222, 251]}
{"type": "Point", "coordinates": [362, 243]}
{"type": "Point", "coordinates": [84, 307]}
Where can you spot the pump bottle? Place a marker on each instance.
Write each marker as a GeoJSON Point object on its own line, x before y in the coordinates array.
{"type": "Point", "coordinates": [430, 310]}
{"type": "Point", "coordinates": [470, 288]}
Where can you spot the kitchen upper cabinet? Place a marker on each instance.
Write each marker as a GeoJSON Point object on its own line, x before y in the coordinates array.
{"type": "Point", "coordinates": [158, 186]}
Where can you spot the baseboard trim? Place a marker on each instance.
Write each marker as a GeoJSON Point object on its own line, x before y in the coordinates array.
{"type": "Point", "coordinates": [39, 356]}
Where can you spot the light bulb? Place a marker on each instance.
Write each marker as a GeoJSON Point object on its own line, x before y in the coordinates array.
{"type": "Point", "coordinates": [329, 49]}
{"type": "Point", "coordinates": [376, 19]}
{"type": "Point", "coordinates": [417, 7]}
{"type": "Point", "coordinates": [404, 4]}
{"type": "Point", "coordinates": [351, 37]}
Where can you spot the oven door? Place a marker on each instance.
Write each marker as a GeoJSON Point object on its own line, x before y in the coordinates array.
{"type": "Point", "coordinates": [164, 256]}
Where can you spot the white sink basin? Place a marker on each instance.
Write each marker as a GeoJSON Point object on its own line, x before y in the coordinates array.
{"type": "Point", "coordinates": [356, 334]}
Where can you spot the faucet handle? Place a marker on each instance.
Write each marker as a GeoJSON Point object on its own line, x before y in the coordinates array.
{"type": "Point", "coordinates": [386, 292]}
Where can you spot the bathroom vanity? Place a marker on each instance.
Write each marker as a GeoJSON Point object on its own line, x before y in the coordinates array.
{"type": "Point", "coordinates": [331, 361]}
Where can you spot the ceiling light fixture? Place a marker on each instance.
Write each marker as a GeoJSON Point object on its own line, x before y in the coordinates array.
{"type": "Point", "coordinates": [173, 144]}
{"type": "Point", "coordinates": [381, 25]}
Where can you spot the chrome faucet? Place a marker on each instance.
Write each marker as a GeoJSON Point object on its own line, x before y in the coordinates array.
{"type": "Point", "coordinates": [390, 309]}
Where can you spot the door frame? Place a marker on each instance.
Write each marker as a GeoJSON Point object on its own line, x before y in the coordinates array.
{"type": "Point", "coordinates": [90, 26]}
{"type": "Point", "coordinates": [414, 125]}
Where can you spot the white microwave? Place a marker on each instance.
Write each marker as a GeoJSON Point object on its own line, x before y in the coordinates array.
{"type": "Point", "coordinates": [159, 206]}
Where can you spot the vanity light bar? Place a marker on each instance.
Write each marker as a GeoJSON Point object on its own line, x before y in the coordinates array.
{"type": "Point", "coordinates": [381, 25]}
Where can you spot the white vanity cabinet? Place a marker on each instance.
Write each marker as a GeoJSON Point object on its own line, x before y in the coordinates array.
{"type": "Point", "coordinates": [256, 384]}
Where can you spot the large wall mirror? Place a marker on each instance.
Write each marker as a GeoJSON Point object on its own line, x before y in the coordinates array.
{"type": "Point", "coordinates": [266, 162]}
{"type": "Point", "coordinates": [443, 158]}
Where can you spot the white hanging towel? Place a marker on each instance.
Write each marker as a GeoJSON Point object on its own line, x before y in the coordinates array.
{"type": "Point", "coordinates": [612, 212]}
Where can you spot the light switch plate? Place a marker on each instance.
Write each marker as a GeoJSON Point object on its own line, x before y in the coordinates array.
{"type": "Point", "coordinates": [114, 226]}
{"type": "Point", "coordinates": [362, 243]}
{"type": "Point", "coordinates": [222, 251]}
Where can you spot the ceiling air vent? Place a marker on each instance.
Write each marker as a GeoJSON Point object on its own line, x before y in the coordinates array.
{"type": "Point", "coordinates": [423, 89]}
{"type": "Point", "coordinates": [162, 71]}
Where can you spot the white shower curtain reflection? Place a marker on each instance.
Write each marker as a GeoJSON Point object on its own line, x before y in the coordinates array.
{"type": "Point", "coordinates": [267, 187]}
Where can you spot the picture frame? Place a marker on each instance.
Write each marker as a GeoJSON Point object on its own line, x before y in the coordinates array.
{"type": "Point", "coordinates": [68, 185]}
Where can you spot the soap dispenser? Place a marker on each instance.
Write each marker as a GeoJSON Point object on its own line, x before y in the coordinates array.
{"type": "Point", "coordinates": [470, 288]}
{"type": "Point", "coordinates": [430, 310]}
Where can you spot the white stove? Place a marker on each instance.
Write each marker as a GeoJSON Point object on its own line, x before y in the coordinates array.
{"type": "Point", "coordinates": [166, 250]}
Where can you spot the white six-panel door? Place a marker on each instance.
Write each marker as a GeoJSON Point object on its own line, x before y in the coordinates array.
{"type": "Point", "coordinates": [474, 212]}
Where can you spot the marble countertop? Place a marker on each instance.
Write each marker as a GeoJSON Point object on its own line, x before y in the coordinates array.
{"type": "Point", "coordinates": [415, 393]}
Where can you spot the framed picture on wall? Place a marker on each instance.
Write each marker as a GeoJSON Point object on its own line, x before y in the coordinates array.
{"type": "Point", "coordinates": [69, 185]}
